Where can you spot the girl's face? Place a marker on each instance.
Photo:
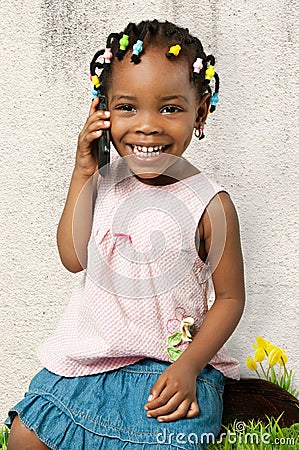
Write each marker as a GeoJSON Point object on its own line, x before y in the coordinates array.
{"type": "Point", "coordinates": [154, 110]}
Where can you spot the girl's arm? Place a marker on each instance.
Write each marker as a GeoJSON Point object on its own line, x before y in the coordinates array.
{"type": "Point", "coordinates": [221, 234]}
{"type": "Point", "coordinates": [73, 233]}
{"type": "Point", "coordinates": [174, 393]}
{"type": "Point", "coordinates": [75, 223]}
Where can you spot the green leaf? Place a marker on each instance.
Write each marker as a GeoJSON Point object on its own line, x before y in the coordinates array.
{"type": "Point", "coordinates": [273, 376]}
{"type": "Point", "coordinates": [4, 433]}
{"type": "Point", "coordinates": [173, 353]}
{"type": "Point", "coordinates": [289, 379]}
{"type": "Point", "coordinates": [282, 382]}
{"type": "Point", "coordinates": [174, 339]}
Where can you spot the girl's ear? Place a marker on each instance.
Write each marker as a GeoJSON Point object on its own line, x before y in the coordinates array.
{"type": "Point", "coordinates": [202, 111]}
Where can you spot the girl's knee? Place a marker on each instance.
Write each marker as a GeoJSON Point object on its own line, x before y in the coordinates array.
{"type": "Point", "coordinates": [20, 438]}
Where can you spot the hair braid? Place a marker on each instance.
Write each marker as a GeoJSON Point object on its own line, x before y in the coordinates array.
{"type": "Point", "coordinates": [180, 42]}
{"type": "Point", "coordinates": [153, 27]}
{"type": "Point", "coordinates": [124, 41]}
{"type": "Point", "coordinates": [138, 46]}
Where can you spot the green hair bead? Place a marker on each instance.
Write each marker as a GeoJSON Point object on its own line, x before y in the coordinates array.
{"type": "Point", "coordinates": [124, 42]}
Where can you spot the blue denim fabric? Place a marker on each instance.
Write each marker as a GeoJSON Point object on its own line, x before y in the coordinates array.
{"type": "Point", "coordinates": [106, 411]}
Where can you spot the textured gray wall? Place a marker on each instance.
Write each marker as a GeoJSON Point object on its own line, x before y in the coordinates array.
{"type": "Point", "coordinates": [250, 148]}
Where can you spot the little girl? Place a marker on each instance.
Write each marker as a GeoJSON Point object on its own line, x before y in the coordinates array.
{"type": "Point", "coordinates": [138, 360]}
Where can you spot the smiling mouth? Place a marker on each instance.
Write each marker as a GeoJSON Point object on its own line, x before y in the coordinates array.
{"type": "Point", "coordinates": [148, 152]}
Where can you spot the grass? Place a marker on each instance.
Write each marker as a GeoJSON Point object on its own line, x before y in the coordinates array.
{"type": "Point", "coordinates": [239, 436]}
{"type": "Point", "coordinates": [4, 437]}
{"type": "Point", "coordinates": [256, 435]}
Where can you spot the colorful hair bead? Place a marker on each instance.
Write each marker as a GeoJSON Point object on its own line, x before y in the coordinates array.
{"type": "Point", "coordinates": [210, 72]}
{"type": "Point", "coordinates": [108, 55]}
{"type": "Point", "coordinates": [213, 102]}
{"type": "Point", "coordinates": [137, 49]}
{"type": "Point", "coordinates": [124, 42]}
{"type": "Point", "coordinates": [174, 51]}
{"type": "Point", "coordinates": [95, 93]}
{"type": "Point", "coordinates": [197, 66]}
{"type": "Point", "coordinates": [96, 81]}
{"type": "Point", "coordinates": [214, 99]}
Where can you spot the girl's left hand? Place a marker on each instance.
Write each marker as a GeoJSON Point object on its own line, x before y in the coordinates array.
{"type": "Point", "coordinates": [173, 395]}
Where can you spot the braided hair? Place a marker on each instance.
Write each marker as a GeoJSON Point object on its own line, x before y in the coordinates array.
{"type": "Point", "coordinates": [136, 38]}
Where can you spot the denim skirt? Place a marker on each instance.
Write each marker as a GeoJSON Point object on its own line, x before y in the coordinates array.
{"type": "Point", "coordinates": [106, 411]}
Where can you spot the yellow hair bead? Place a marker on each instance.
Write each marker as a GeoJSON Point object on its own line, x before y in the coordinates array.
{"type": "Point", "coordinates": [175, 49]}
{"type": "Point", "coordinates": [210, 72]}
{"type": "Point", "coordinates": [96, 81]}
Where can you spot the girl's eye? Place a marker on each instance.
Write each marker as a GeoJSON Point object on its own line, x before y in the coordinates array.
{"type": "Point", "coordinates": [128, 108]}
{"type": "Point", "coordinates": [171, 109]}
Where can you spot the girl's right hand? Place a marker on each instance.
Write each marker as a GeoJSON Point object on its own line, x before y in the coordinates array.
{"type": "Point", "coordinates": [86, 157]}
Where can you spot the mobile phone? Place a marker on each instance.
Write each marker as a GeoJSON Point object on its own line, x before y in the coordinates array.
{"type": "Point", "coordinates": [104, 144]}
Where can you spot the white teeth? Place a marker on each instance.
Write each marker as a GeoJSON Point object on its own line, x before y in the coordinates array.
{"type": "Point", "coordinates": [147, 152]}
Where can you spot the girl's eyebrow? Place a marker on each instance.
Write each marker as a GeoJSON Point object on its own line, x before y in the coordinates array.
{"type": "Point", "coordinates": [166, 98]}
{"type": "Point", "coordinates": [175, 97]}
{"type": "Point", "coordinates": [123, 96]}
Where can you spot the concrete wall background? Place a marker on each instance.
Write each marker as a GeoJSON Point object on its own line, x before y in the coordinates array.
{"type": "Point", "coordinates": [250, 148]}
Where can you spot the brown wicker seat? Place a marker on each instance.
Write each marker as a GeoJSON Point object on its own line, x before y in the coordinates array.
{"type": "Point", "coordinates": [251, 398]}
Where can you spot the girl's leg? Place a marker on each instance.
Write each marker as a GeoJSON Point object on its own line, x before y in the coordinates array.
{"type": "Point", "coordinates": [20, 438]}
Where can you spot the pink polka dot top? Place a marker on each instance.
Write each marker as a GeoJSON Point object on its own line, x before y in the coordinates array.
{"type": "Point", "coordinates": [145, 291]}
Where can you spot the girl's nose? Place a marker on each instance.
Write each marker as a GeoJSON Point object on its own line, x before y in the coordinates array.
{"type": "Point", "coordinates": [148, 123]}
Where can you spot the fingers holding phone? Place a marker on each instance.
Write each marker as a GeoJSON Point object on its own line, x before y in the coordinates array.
{"type": "Point", "coordinates": [97, 122]}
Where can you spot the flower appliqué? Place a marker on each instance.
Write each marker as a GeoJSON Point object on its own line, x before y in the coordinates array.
{"type": "Point", "coordinates": [179, 338]}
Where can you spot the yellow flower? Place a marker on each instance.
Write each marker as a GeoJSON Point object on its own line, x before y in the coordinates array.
{"type": "Point", "coordinates": [251, 364]}
{"type": "Point", "coordinates": [274, 356]}
{"type": "Point", "coordinates": [265, 344]}
{"type": "Point", "coordinates": [269, 347]}
{"type": "Point", "coordinates": [283, 358]}
{"type": "Point", "coordinates": [261, 342]}
{"type": "Point", "coordinates": [259, 354]}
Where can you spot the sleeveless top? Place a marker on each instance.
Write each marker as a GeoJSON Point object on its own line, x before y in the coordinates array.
{"type": "Point", "coordinates": [143, 278]}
